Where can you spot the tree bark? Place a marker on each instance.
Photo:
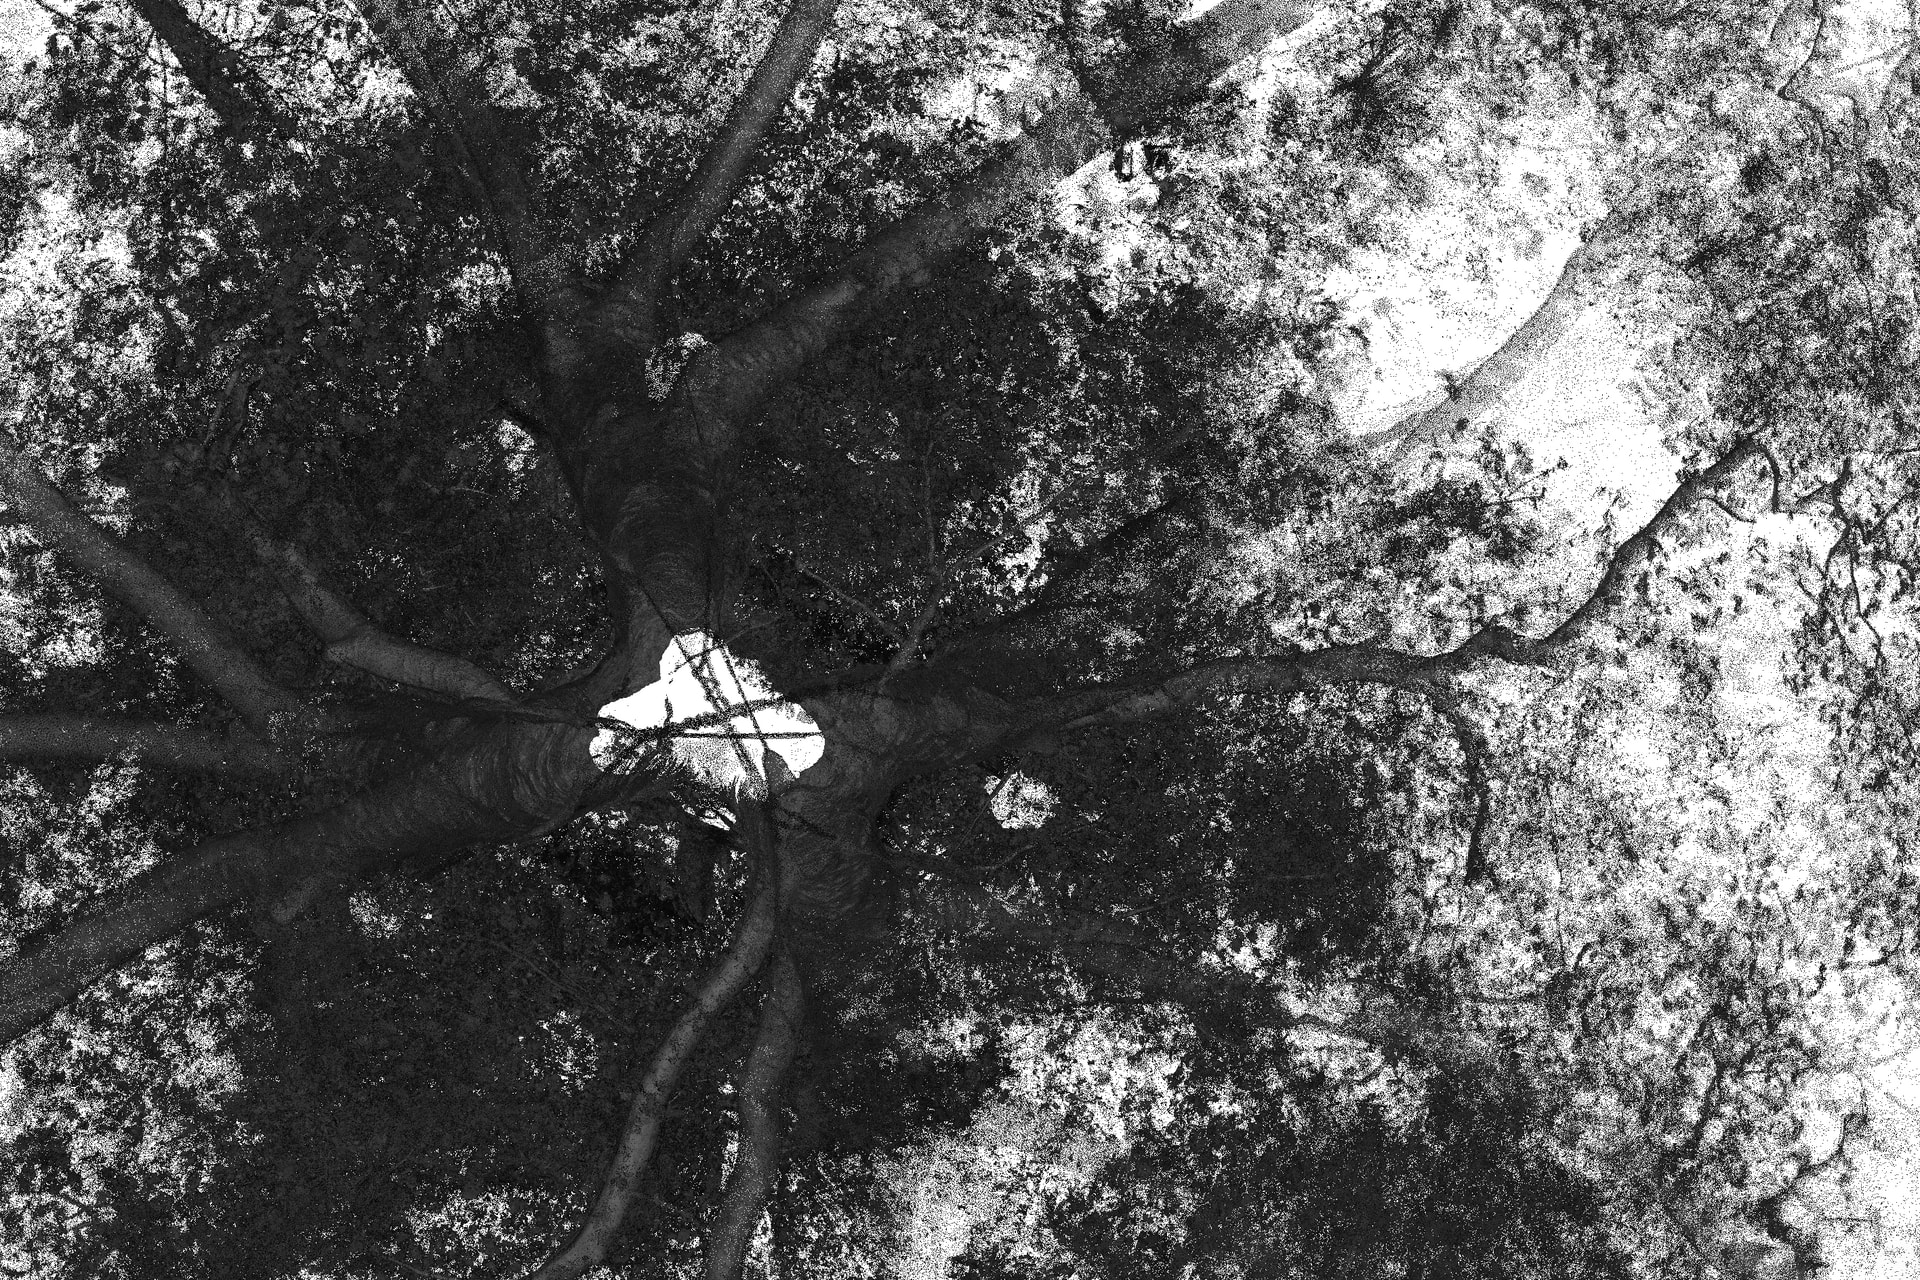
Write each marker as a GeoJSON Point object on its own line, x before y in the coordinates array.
{"type": "Point", "coordinates": [71, 737]}
{"type": "Point", "coordinates": [627, 311]}
{"type": "Point", "coordinates": [353, 641]}
{"type": "Point", "coordinates": [431, 60]}
{"type": "Point", "coordinates": [757, 1161]}
{"type": "Point", "coordinates": [745, 953]}
{"type": "Point", "coordinates": [502, 782]}
{"type": "Point", "coordinates": [231, 87]}
{"type": "Point", "coordinates": [1480, 392]}
{"type": "Point", "coordinates": [206, 646]}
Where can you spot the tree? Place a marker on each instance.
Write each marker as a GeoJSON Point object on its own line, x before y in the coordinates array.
{"type": "Point", "coordinates": [534, 526]}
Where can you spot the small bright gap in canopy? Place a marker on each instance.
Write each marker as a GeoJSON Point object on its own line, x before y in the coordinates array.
{"type": "Point", "coordinates": [694, 670]}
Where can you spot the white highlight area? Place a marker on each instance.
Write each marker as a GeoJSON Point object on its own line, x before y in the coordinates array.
{"type": "Point", "coordinates": [699, 678]}
{"type": "Point", "coordinates": [1019, 802]}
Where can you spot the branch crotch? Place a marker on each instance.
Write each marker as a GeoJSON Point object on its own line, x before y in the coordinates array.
{"type": "Point", "coordinates": [745, 953]}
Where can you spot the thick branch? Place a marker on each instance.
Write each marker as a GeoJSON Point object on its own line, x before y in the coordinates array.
{"type": "Point", "coordinates": [733, 376]}
{"type": "Point", "coordinates": [449, 85]}
{"type": "Point", "coordinates": [650, 494]}
{"type": "Point", "coordinates": [665, 499]}
{"type": "Point", "coordinates": [745, 953]}
{"type": "Point", "coordinates": [205, 645]}
{"type": "Point", "coordinates": [728, 380]}
{"type": "Point", "coordinates": [1128, 956]}
{"type": "Point", "coordinates": [47, 975]}
{"type": "Point", "coordinates": [1481, 392]}
{"type": "Point", "coordinates": [757, 1165]}
{"type": "Point", "coordinates": [61, 737]}
{"type": "Point", "coordinates": [497, 786]}
{"type": "Point", "coordinates": [353, 641]}
{"type": "Point", "coordinates": [671, 238]}
{"type": "Point", "coordinates": [1133, 958]}
{"type": "Point", "coordinates": [1375, 664]}
{"type": "Point", "coordinates": [231, 87]}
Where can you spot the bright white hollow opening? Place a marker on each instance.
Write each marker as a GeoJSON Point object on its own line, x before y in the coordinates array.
{"type": "Point", "coordinates": [694, 671]}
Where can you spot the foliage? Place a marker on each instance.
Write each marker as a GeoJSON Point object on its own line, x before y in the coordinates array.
{"type": "Point", "coordinates": [1249, 841]}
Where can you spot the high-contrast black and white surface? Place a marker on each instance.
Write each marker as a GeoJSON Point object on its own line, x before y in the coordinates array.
{"type": "Point", "coordinates": [1020, 642]}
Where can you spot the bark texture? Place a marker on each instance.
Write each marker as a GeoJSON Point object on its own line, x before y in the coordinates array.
{"type": "Point", "coordinates": [206, 646]}
{"type": "Point", "coordinates": [63, 737]}
{"type": "Point", "coordinates": [232, 88]}
{"type": "Point", "coordinates": [756, 1168]}
{"type": "Point", "coordinates": [1481, 392]}
{"type": "Point", "coordinates": [352, 640]}
{"type": "Point", "coordinates": [746, 952]}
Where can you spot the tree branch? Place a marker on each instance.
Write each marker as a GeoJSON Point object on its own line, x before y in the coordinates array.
{"type": "Point", "coordinates": [1069, 577]}
{"type": "Point", "coordinates": [1375, 664]}
{"type": "Point", "coordinates": [650, 493]}
{"type": "Point", "coordinates": [845, 597]}
{"type": "Point", "coordinates": [447, 85]}
{"type": "Point", "coordinates": [353, 641]}
{"type": "Point", "coordinates": [1134, 958]}
{"type": "Point", "coordinates": [203, 643]}
{"type": "Point", "coordinates": [231, 87]}
{"type": "Point", "coordinates": [629, 303]}
{"type": "Point", "coordinates": [1480, 392]}
{"type": "Point", "coordinates": [1474, 753]}
{"type": "Point", "coordinates": [48, 974]}
{"type": "Point", "coordinates": [757, 1164]}
{"type": "Point", "coordinates": [1384, 1022]}
{"type": "Point", "coordinates": [727, 380]}
{"type": "Point", "coordinates": [730, 378]}
{"type": "Point", "coordinates": [745, 953]}
{"type": "Point", "coordinates": [1637, 552]}
{"type": "Point", "coordinates": [68, 737]}
{"type": "Point", "coordinates": [503, 783]}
